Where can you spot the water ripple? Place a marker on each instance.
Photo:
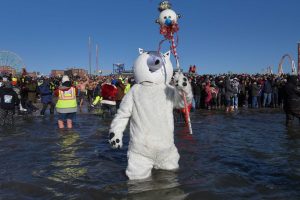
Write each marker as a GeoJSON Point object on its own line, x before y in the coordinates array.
{"type": "Point", "coordinates": [244, 155]}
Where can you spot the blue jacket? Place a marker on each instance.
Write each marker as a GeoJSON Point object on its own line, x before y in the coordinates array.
{"type": "Point", "coordinates": [46, 93]}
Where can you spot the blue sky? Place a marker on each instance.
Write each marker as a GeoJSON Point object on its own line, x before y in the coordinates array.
{"type": "Point", "coordinates": [215, 35]}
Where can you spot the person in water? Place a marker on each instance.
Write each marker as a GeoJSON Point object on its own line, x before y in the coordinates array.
{"type": "Point", "coordinates": [46, 96]}
{"type": "Point", "coordinates": [292, 99]}
{"type": "Point", "coordinates": [66, 105]}
{"type": "Point", "coordinates": [8, 100]}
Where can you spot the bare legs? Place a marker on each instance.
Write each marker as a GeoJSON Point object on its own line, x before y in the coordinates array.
{"type": "Point", "coordinates": [69, 123]}
{"type": "Point", "coordinates": [62, 125]}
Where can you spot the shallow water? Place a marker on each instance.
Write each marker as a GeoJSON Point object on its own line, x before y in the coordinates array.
{"type": "Point", "coordinates": [244, 155]}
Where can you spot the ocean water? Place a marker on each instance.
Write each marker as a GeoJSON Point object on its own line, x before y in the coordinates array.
{"type": "Point", "coordinates": [249, 154]}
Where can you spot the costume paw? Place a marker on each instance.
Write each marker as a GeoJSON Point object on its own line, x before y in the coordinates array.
{"type": "Point", "coordinates": [114, 141]}
{"type": "Point", "coordinates": [181, 82]}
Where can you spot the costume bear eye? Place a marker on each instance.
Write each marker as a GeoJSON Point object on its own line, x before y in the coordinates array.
{"type": "Point", "coordinates": [154, 61]}
{"type": "Point", "coordinates": [169, 17]}
{"type": "Point", "coordinates": [165, 17]}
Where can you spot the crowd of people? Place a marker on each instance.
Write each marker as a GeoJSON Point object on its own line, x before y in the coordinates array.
{"type": "Point", "coordinates": [238, 90]}
{"type": "Point", "coordinates": [61, 94]}
{"type": "Point", "coordinates": [226, 91]}
{"type": "Point", "coordinates": [231, 91]}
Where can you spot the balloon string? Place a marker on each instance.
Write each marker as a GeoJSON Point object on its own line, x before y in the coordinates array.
{"type": "Point", "coordinates": [160, 44]}
{"type": "Point", "coordinates": [174, 44]}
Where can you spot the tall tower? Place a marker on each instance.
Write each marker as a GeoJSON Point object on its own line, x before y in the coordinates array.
{"type": "Point", "coordinates": [90, 55]}
{"type": "Point", "coordinates": [298, 58]}
{"type": "Point", "coordinates": [97, 59]}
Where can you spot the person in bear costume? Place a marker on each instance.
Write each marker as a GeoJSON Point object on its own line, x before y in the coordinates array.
{"type": "Point", "coordinates": [149, 105]}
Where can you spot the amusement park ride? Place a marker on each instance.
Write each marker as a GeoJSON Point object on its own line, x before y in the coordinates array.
{"type": "Point", "coordinates": [10, 63]}
{"type": "Point", "coordinates": [294, 70]}
{"type": "Point", "coordinates": [291, 61]}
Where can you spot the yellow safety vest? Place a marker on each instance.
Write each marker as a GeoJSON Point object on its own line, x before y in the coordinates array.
{"type": "Point", "coordinates": [97, 100]}
{"type": "Point", "coordinates": [67, 99]}
{"type": "Point", "coordinates": [52, 86]}
{"type": "Point", "coordinates": [127, 88]}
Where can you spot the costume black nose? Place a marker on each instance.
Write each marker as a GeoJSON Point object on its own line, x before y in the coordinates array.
{"type": "Point", "coordinates": [157, 62]}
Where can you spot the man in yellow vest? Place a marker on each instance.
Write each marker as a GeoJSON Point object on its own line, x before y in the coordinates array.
{"type": "Point", "coordinates": [66, 105]}
{"type": "Point", "coordinates": [127, 86]}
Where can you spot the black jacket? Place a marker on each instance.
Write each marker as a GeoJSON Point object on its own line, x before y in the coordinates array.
{"type": "Point", "coordinates": [228, 89]}
{"type": "Point", "coordinates": [267, 88]}
{"type": "Point", "coordinates": [292, 96]}
{"type": "Point", "coordinates": [255, 90]}
{"type": "Point", "coordinates": [8, 99]}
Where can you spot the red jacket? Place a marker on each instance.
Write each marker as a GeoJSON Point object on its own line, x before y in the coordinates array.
{"type": "Point", "coordinates": [109, 92]}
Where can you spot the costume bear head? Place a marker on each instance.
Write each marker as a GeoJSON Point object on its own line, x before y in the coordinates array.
{"type": "Point", "coordinates": [154, 67]}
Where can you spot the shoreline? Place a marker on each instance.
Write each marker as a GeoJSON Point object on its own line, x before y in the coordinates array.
{"type": "Point", "coordinates": [201, 110]}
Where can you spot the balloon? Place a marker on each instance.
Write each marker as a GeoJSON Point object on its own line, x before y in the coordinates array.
{"type": "Point", "coordinates": [167, 17]}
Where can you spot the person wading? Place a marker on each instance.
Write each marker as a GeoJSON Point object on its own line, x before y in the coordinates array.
{"type": "Point", "coordinates": [291, 99]}
{"type": "Point", "coordinates": [66, 105]}
{"type": "Point", "coordinates": [8, 100]}
{"type": "Point", "coordinates": [46, 96]}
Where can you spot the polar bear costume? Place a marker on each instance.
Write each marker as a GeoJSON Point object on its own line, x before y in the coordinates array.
{"type": "Point", "coordinates": [149, 105]}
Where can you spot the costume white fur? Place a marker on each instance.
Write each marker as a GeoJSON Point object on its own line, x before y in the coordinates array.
{"type": "Point", "coordinates": [149, 105]}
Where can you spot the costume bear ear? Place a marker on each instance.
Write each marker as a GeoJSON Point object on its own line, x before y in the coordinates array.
{"type": "Point", "coordinates": [141, 51]}
{"type": "Point", "coordinates": [167, 54]}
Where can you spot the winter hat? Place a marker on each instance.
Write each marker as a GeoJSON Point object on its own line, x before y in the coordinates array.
{"type": "Point", "coordinates": [65, 78]}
